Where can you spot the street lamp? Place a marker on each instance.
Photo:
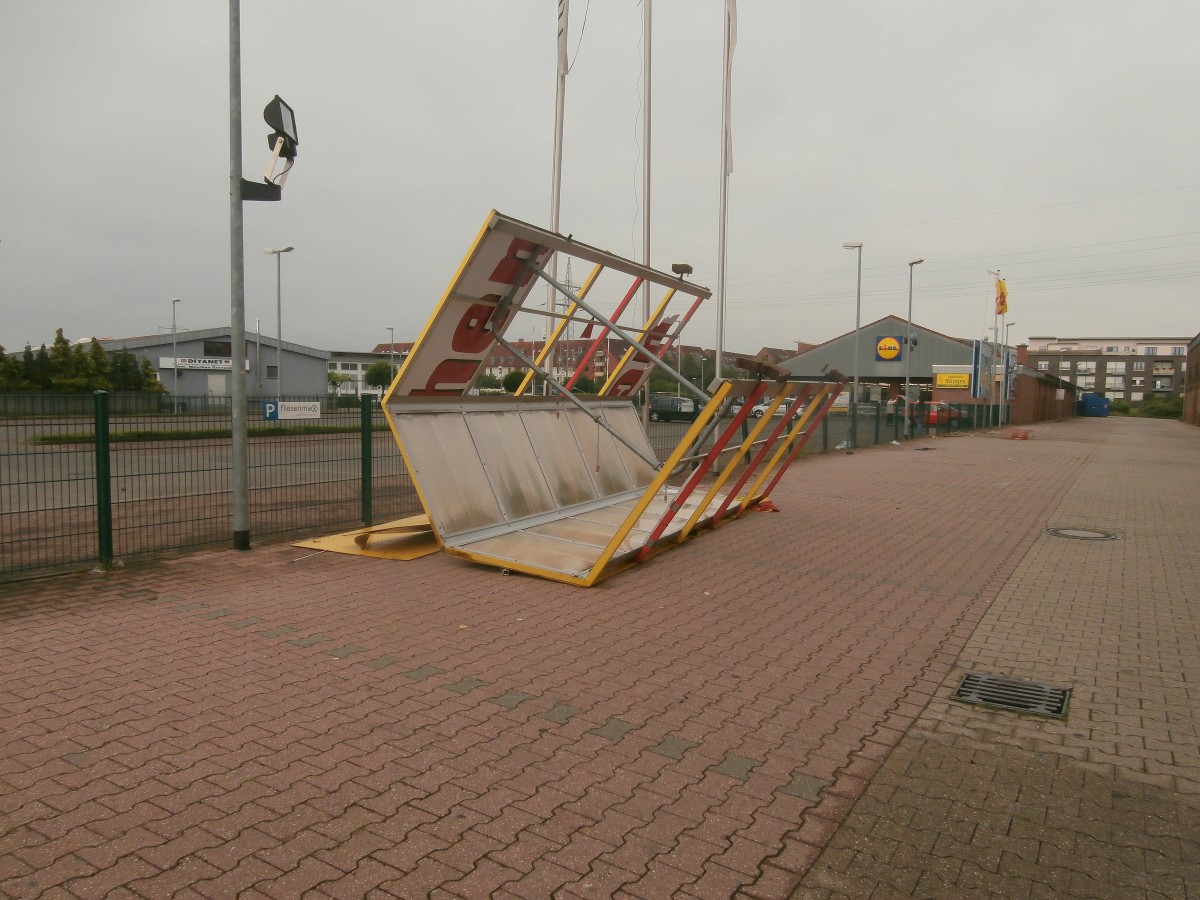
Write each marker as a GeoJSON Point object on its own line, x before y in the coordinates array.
{"type": "Point", "coordinates": [175, 356]}
{"type": "Point", "coordinates": [851, 245]}
{"type": "Point", "coordinates": [908, 346]}
{"type": "Point", "coordinates": [287, 248]}
{"type": "Point", "coordinates": [392, 349]}
{"type": "Point", "coordinates": [1008, 375]}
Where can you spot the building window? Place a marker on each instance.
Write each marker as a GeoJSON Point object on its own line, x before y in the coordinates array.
{"type": "Point", "coordinates": [1114, 383]}
{"type": "Point", "coordinates": [1112, 350]}
{"type": "Point", "coordinates": [1162, 384]}
{"type": "Point", "coordinates": [332, 367]}
{"type": "Point", "coordinates": [1064, 365]}
{"type": "Point", "coordinates": [1115, 368]}
{"type": "Point", "coordinates": [1135, 396]}
{"type": "Point", "coordinates": [1139, 366]}
{"type": "Point", "coordinates": [1116, 395]}
{"type": "Point", "coordinates": [1177, 351]}
{"type": "Point", "coordinates": [1137, 382]}
{"type": "Point", "coordinates": [349, 367]}
{"type": "Point", "coordinates": [218, 348]}
{"type": "Point", "coordinates": [1150, 351]}
{"type": "Point", "coordinates": [272, 373]}
{"type": "Point", "coordinates": [1043, 365]}
{"type": "Point", "coordinates": [1086, 368]}
{"type": "Point", "coordinates": [1087, 382]}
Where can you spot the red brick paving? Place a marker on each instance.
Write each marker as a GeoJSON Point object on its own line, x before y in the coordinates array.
{"type": "Point", "coordinates": [153, 746]}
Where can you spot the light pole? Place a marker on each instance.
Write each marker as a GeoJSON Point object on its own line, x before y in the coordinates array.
{"type": "Point", "coordinates": [1007, 381]}
{"type": "Point", "coordinates": [908, 345]}
{"type": "Point", "coordinates": [851, 245]}
{"type": "Point", "coordinates": [175, 357]}
{"type": "Point", "coordinates": [286, 248]}
{"type": "Point", "coordinates": [392, 350]}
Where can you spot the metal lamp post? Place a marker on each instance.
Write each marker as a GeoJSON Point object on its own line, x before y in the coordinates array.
{"type": "Point", "coordinates": [391, 350]}
{"type": "Point", "coordinates": [174, 357]}
{"type": "Point", "coordinates": [908, 346]}
{"type": "Point", "coordinates": [287, 248]}
{"type": "Point", "coordinates": [851, 245]}
{"type": "Point", "coordinates": [1007, 375]}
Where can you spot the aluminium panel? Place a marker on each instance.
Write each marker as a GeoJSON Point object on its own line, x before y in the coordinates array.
{"type": "Point", "coordinates": [516, 476]}
{"type": "Point", "coordinates": [455, 489]}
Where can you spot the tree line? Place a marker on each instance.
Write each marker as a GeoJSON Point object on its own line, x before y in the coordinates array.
{"type": "Point", "coordinates": [66, 368]}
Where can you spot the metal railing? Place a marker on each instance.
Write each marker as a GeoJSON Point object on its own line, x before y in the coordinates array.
{"type": "Point", "coordinates": [86, 480]}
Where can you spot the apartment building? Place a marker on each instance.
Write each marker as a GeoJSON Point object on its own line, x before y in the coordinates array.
{"type": "Point", "coordinates": [1120, 368]}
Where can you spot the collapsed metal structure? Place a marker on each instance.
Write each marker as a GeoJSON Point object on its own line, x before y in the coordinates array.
{"type": "Point", "coordinates": [567, 486]}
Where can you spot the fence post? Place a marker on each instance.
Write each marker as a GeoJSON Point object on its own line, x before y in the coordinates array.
{"type": "Point", "coordinates": [104, 522]}
{"type": "Point", "coordinates": [878, 419]}
{"type": "Point", "coordinates": [365, 415]}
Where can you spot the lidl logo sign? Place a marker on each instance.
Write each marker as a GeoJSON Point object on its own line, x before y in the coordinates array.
{"type": "Point", "coordinates": [887, 349]}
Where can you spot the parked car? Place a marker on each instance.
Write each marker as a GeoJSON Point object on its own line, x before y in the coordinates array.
{"type": "Point", "coordinates": [942, 414]}
{"type": "Point", "coordinates": [673, 409]}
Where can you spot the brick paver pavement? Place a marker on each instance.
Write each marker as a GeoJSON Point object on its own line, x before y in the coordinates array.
{"type": "Point", "coordinates": [1106, 803]}
{"type": "Point", "coordinates": [279, 724]}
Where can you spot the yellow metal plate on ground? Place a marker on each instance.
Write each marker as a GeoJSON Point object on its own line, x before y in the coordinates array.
{"type": "Point", "coordinates": [409, 538]}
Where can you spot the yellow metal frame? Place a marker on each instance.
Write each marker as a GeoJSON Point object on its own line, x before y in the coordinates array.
{"type": "Point", "coordinates": [655, 318]}
{"type": "Point", "coordinates": [818, 399]}
{"type": "Point", "coordinates": [558, 330]}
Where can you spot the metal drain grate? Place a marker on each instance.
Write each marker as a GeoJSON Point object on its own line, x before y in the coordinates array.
{"type": "Point", "coordinates": [1014, 695]}
{"type": "Point", "coordinates": [1084, 534]}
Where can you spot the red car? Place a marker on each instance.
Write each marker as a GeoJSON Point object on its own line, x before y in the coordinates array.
{"type": "Point", "coordinates": [942, 414]}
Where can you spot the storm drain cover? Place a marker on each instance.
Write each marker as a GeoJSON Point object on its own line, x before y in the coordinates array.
{"type": "Point", "coordinates": [1084, 534]}
{"type": "Point", "coordinates": [1014, 695]}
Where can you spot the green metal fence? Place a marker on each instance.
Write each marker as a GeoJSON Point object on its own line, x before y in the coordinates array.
{"type": "Point", "coordinates": [86, 480]}
{"type": "Point", "coordinates": [80, 488]}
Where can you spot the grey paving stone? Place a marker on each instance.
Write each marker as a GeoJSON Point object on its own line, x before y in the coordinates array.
{"type": "Point", "coordinates": [188, 607]}
{"type": "Point", "coordinates": [510, 699]}
{"type": "Point", "coordinates": [309, 641]}
{"type": "Point", "coordinates": [614, 729]}
{"type": "Point", "coordinates": [245, 623]}
{"type": "Point", "coordinates": [217, 614]}
{"type": "Point", "coordinates": [672, 746]}
{"type": "Point", "coordinates": [561, 713]}
{"type": "Point", "coordinates": [805, 786]}
{"type": "Point", "coordinates": [465, 686]}
{"type": "Point", "coordinates": [382, 662]}
{"type": "Point", "coordinates": [278, 631]}
{"type": "Point", "coordinates": [424, 672]}
{"type": "Point", "coordinates": [735, 766]}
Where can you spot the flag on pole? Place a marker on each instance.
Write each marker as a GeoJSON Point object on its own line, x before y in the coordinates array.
{"type": "Point", "coordinates": [562, 36]}
{"type": "Point", "coordinates": [1001, 297]}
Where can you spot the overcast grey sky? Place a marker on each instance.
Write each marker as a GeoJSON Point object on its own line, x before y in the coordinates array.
{"type": "Point", "coordinates": [1054, 141]}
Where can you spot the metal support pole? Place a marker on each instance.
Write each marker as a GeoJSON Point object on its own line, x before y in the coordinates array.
{"type": "Point", "coordinates": [174, 358]}
{"type": "Point", "coordinates": [367, 434]}
{"type": "Point", "coordinates": [908, 345]}
{"type": "Point", "coordinates": [104, 521]}
{"type": "Point", "coordinates": [237, 289]}
{"type": "Point", "coordinates": [853, 440]}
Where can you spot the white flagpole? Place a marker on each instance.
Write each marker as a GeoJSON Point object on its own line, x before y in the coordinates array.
{"type": "Point", "coordinates": [646, 42]}
{"type": "Point", "coordinates": [726, 169]}
{"type": "Point", "coordinates": [560, 97]}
